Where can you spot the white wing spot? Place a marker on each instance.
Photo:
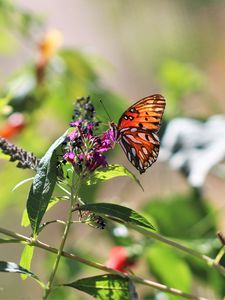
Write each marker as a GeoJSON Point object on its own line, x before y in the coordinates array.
{"type": "Point", "coordinates": [126, 140]}
{"type": "Point", "coordinates": [124, 129]}
{"type": "Point", "coordinates": [158, 109]}
{"type": "Point", "coordinates": [155, 136]}
{"type": "Point", "coordinates": [129, 156]}
{"type": "Point", "coordinates": [133, 151]}
{"type": "Point", "coordinates": [142, 136]}
{"type": "Point", "coordinates": [141, 154]}
{"type": "Point", "coordinates": [133, 139]}
{"type": "Point", "coordinates": [140, 164]}
{"type": "Point", "coordinates": [145, 150]}
{"type": "Point", "coordinates": [133, 129]}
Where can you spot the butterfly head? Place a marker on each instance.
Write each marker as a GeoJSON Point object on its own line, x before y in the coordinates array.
{"type": "Point", "coordinates": [113, 127]}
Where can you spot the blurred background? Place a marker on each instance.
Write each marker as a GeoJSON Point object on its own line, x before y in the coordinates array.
{"type": "Point", "coordinates": [52, 52]}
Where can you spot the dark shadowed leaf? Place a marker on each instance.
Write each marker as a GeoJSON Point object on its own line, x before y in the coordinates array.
{"type": "Point", "coordinates": [108, 286]}
{"type": "Point", "coordinates": [43, 185]}
{"type": "Point", "coordinates": [118, 213]}
{"type": "Point", "coordinates": [11, 267]}
{"type": "Point", "coordinates": [112, 171]}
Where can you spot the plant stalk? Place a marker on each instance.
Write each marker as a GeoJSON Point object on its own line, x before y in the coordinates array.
{"type": "Point", "coordinates": [73, 198]}
{"type": "Point", "coordinates": [99, 266]}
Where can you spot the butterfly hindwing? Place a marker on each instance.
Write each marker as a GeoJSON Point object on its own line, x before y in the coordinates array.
{"type": "Point", "coordinates": [137, 131]}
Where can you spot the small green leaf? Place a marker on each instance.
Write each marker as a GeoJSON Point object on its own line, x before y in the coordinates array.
{"type": "Point", "coordinates": [112, 171]}
{"type": "Point", "coordinates": [108, 286]}
{"type": "Point", "coordinates": [43, 185]}
{"type": "Point", "coordinates": [26, 258]}
{"type": "Point", "coordinates": [25, 219]}
{"type": "Point", "coordinates": [118, 213]}
{"type": "Point", "coordinates": [11, 267]}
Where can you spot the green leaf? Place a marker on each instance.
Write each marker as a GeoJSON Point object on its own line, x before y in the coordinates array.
{"type": "Point", "coordinates": [199, 219]}
{"type": "Point", "coordinates": [108, 286]}
{"type": "Point", "coordinates": [26, 258]}
{"type": "Point", "coordinates": [169, 268]}
{"type": "Point", "coordinates": [43, 185]}
{"type": "Point", "coordinates": [118, 213]}
{"type": "Point", "coordinates": [11, 267]}
{"type": "Point", "coordinates": [25, 219]}
{"type": "Point", "coordinates": [112, 171]}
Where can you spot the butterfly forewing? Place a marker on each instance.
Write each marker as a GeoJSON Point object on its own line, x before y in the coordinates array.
{"type": "Point", "coordinates": [137, 131]}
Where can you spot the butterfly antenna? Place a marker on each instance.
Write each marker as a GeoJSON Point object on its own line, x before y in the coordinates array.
{"type": "Point", "coordinates": [105, 110]}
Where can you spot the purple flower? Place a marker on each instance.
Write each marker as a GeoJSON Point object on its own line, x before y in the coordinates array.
{"type": "Point", "coordinates": [72, 136]}
{"type": "Point", "coordinates": [83, 147]}
{"type": "Point", "coordinates": [98, 160]}
{"type": "Point", "coordinates": [69, 156]}
{"type": "Point", "coordinates": [75, 123]}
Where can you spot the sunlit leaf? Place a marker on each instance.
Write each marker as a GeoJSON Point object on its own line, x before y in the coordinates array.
{"type": "Point", "coordinates": [108, 286]}
{"type": "Point", "coordinates": [43, 185]}
{"type": "Point", "coordinates": [112, 171]}
{"type": "Point", "coordinates": [118, 213]}
{"type": "Point", "coordinates": [26, 258]}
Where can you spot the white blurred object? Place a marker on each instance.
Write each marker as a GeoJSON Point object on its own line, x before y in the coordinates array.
{"type": "Point", "coordinates": [194, 147]}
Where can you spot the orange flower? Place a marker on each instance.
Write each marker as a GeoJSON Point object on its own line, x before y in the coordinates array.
{"type": "Point", "coordinates": [14, 125]}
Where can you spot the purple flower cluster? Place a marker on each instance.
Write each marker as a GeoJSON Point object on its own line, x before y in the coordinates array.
{"type": "Point", "coordinates": [84, 149]}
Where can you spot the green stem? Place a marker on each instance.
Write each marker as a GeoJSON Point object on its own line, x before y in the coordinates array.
{"type": "Point", "coordinates": [73, 198]}
{"type": "Point", "coordinates": [210, 262]}
{"type": "Point", "coordinates": [98, 266]}
{"type": "Point", "coordinates": [219, 255]}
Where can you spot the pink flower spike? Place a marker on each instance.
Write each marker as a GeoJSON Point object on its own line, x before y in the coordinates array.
{"type": "Point", "coordinates": [75, 123]}
{"type": "Point", "coordinates": [69, 156]}
{"type": "Point", "coordinates": [72, 136]}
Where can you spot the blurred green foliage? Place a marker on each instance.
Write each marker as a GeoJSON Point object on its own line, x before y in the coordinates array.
{"type": "Point", "coordinates": [14, 19]}
{"type": "Point", "coordinates": [71, 73]}
{"type": "Point", "coordinates": [179, 80]}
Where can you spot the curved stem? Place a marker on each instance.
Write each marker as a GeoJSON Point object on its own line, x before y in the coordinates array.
{"type": "Point", "coordinates": [98, 266]}
{"type": "Point", "coordinates": [73, 198]}
{"type": "Point", "coordinates": [219, 255]}
{"type": "Point", "coordinates": [210, 262]}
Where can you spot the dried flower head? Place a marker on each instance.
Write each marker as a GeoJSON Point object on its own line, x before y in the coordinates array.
{"type": "Point", "coordinates": [26, 160]}
{"type": "Point", "coordinates": [84, 149]}
{"type": "Point", "coordinates": [92, 219]}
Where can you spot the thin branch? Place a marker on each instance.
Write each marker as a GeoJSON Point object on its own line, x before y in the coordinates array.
{"type": "Point", "coordinates": [98, 266]}
{"type": "Point", "coordinates": [210, 262]}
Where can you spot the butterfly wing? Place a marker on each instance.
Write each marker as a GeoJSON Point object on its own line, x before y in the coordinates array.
{"type": "Point", "coordinates": [137, 131]}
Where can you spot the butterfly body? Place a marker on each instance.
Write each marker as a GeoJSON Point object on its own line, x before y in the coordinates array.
{"type": "Point", "coordinates": [137, 131]}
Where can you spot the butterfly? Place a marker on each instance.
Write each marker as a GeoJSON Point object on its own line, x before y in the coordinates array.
{"type": "Point", "coordinates": [137, 131]}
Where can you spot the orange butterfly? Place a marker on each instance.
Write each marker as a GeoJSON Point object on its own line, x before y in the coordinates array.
{"type": "Point", "coordinates": [137, 131]}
